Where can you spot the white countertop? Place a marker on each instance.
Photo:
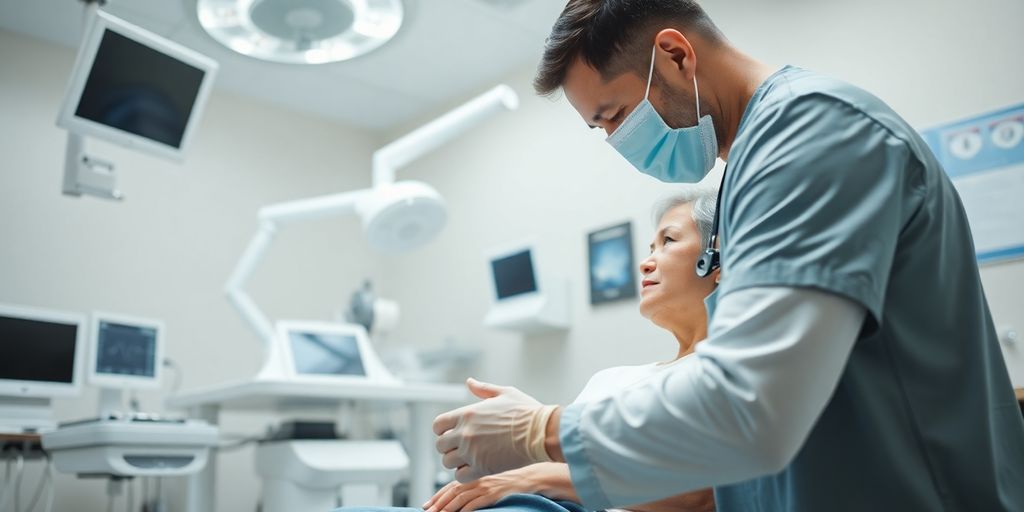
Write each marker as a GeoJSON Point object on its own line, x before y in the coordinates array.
{"type": "Point", "coordinates": [264, 393]}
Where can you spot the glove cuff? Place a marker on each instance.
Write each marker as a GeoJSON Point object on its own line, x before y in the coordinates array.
{"type": "Point", "coordinates": [538, 429]}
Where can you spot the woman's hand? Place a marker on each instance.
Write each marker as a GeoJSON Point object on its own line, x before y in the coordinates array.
{"type": "Point", "coordinates": [549, 479]}
{"type": "Point", "coordinates": [480, 493]}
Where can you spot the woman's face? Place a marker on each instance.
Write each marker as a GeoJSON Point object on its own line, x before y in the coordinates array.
{"type": "Point", "coordinates": [671, 292]}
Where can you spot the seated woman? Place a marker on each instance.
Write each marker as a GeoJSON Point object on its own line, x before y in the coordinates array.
{"type": "Point", "coordinates": [672, 297]}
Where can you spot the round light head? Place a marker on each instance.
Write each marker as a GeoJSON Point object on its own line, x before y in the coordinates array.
{"type": "Point", "coordinates": [301, 31]}
{"type": "Point", "coordinates": [402, 216]}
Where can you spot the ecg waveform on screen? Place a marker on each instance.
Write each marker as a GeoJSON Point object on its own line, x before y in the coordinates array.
{"type": "Point", "coordinates": [126, 350]}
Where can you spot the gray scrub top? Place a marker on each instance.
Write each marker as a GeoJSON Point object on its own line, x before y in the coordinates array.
{"type": "Point", "coordinates": [829, 188]}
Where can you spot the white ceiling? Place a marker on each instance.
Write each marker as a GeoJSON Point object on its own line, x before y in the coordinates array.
{"type": "Point", "coordinates": [446, 51]}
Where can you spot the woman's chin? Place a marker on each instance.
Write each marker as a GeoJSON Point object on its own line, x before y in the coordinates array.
{"type": "Point", "coordinates": [645, 309]}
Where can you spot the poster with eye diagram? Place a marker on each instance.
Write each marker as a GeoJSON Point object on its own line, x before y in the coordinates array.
{"type": "Point", "coordinates": [984, 156]}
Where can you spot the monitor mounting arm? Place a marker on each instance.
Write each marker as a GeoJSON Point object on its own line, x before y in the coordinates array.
{"type": "Point", "coordinates": [86, 175]}
{"type": "Point", "coordinates": [83, 174]}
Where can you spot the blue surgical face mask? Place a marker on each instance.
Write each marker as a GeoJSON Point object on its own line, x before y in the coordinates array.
{"type": "Point", "coordinates": [673, 155]}
{"type": "Point", "coordinates": [710, 302]}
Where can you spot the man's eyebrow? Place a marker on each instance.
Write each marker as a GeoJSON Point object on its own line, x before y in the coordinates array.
{"type": "Point", "coordinates": [598, 114]}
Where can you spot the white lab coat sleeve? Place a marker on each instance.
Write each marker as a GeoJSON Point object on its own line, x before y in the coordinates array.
{"type": "Point", "coordinates": [740, 408]}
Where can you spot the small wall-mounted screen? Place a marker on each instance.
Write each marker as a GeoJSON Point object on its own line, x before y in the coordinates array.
{"type": "Point", "coordinates": [137, 89]}
{"type": "Point", "coordinates": [513, 275]}
{"type": "Point", "coordinates": [123, 349]}
{"type": "Point", "coordinates": [317, 353]}
{"type": "Point", "coordinates": [34, 350]}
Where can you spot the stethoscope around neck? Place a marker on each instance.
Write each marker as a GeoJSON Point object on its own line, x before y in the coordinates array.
{"type": "Point", "coordinates": [710, 260]}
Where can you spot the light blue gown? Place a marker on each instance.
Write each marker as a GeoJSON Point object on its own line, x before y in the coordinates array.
{"type": "Point", "coordinates": [829, 189]}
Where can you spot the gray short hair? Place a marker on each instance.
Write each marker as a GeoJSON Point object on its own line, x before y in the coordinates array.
{"type": "Point", "coordinates": [704, 199]}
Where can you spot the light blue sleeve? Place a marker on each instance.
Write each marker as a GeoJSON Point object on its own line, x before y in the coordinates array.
{"type": "Point", "coordinates": [738, 408]}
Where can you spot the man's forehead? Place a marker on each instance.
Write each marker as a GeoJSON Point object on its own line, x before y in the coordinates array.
{"type": "Point", "coordinates": [582, 85]}
{"type": "Point", "coordinates": [588, 91]}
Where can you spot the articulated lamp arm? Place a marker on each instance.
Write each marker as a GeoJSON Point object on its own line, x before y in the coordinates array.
{"type": "Point", "coordinates": [270, 218]}
{"type": "Point", "coordinates": [386, 161]}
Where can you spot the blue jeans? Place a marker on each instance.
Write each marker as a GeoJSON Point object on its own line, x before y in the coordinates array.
{"type": "Point", "coordinates": [510, 503]}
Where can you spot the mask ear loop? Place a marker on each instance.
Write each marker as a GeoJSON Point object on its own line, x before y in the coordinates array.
{"type": "Point", "coordinates": [650, 72]}
{"type": "Point", "coordinates": [696, 91]}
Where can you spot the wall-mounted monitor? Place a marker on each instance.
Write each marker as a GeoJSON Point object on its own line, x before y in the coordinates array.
{"type": "Point", "coordinates": [135, 88]}
{"type": "Point", "coordinates": [526, 298]}
{"type": "Point", "coordinates": [41, 352]}
{"type": "Point", "coordinates": [125, 352]}
{"type": "Point", "coordinates": [513, 274]}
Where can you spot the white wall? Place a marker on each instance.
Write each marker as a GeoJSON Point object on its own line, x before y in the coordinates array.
{"type": "Point", "coordinates": [538, 173]}
{"type": "Point", "coordinates": [166, 251]}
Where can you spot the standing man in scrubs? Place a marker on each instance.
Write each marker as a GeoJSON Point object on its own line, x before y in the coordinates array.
{"type": "Point", "coordinates": [851, 361]}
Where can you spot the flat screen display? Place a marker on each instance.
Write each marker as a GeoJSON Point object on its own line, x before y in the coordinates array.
{"type": "Point", "coordinates": [317, 353]}
{"type": "Point", "coordinates": [34, 350]}
{"type": "Point", "coordinates": [136, 89]}
{"type": "Point", "coordinates": [513, 275]}
{"type": "Point", "coordinates": [123, 349]}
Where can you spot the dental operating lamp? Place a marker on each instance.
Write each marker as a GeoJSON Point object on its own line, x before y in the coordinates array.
{"type": "Point", "coordinates": [396, 216]}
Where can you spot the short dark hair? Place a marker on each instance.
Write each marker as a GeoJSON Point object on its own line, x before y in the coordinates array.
{"type": "Point", "coordinates": [602, 31]}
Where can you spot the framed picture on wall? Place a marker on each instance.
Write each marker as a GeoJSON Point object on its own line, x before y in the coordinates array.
{"type": "Point", "coordinates": [612, 276]}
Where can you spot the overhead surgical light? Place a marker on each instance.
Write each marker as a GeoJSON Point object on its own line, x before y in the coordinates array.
{"type": "Point", "coordinates": [301, 31]}
{"type": "Point", "coordinates": [402, 216]}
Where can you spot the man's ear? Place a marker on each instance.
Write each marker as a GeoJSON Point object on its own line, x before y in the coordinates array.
{"type": "Point", "coordinates": [680, 50]}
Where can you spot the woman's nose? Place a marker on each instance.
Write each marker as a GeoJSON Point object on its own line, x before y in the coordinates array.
{"type": "Point", "coordinates": [647, 266]}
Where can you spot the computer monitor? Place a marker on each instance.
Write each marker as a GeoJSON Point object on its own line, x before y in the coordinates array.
{"type": "Point", "coordinates": [135, 88]}
{"type": "Point", "coordinates": [328, 351]}
{"type": "Point", "coordinates": [513, 273]}
{"type": "Point", "coordinates": [40, 352]}
{"type": "Point", "coordinates": [125, 352]}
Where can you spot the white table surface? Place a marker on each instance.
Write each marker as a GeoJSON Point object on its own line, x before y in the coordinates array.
{"type": "Point", "coordinates": [263, 394]}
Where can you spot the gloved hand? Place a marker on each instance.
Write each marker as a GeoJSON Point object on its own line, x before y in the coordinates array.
{"type": "Point", "coordinates": [503, 431]}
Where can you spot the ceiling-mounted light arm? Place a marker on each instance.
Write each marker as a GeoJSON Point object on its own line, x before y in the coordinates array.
{"type": "Point", "coordinates": [395, 216]}
{"type": "Point", "coordinates": [417, 143]}
{"type": "Point", "coordinates": [235, 287]}
{"type": "Point", "coordinates": [270, 217]}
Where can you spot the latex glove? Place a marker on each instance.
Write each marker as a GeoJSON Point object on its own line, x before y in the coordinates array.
{"type": "Point", "coordinates": [503, 431]}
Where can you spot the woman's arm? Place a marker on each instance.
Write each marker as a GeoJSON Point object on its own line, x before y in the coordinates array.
{"type": "Point", "coordinates": [549, 479]}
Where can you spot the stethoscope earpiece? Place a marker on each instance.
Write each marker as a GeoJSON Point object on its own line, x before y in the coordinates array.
{"type": "Point", "coordinates": [710, 260]}
{"type": "Point", "coordinates": [707, 263]}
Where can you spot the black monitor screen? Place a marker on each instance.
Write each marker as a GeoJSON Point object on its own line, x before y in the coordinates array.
{"type": "Point", "coordinates": [35, 350]}
{"type": "Point", "coordinates": [137, 89]}
{"type": "Point", "coordinates": [317, 353]}
{"type": "Point", "coordinates": [123, 349]}
{"type": "Point", "coordinates": [513, 275]}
